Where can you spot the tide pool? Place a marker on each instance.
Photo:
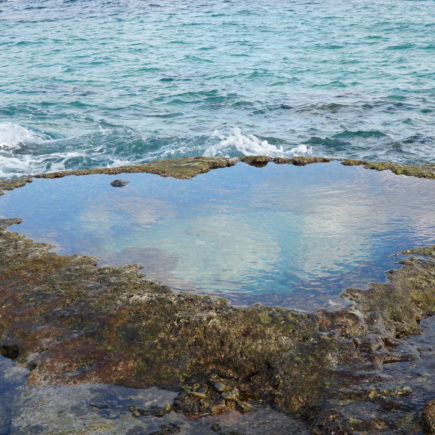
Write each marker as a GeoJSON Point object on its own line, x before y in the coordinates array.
{"type": "Point", "coordinates": [277, 235]}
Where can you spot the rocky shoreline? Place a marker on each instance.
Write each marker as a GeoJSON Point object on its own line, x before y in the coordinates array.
{"type": "Point", "coordinates": [72, 322]}
{"type": "Point", "coordinates": [189, 167]}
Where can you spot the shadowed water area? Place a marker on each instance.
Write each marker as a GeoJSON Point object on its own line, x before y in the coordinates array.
{"type": "Point", "coordinates": [278, 235]}
{"type": "Point", "coordinates": [95, 83]}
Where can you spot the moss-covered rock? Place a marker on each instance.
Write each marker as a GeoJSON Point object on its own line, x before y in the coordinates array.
{"type": "Point", "coordinates": [420, 171]}
{"type": "Point", "coordinates": [429, 416]}
{"type": "Point", "coordinates": [189, 167]}
{"type": "Point", "coordinates": [260, 161]}
{"type": "Point", "coordinates": [408, 296]}
{"type": "Point", "coordinates": [183, 168]}
{"type": "Point", "coordinates": [13, 183]}
{"type": "Point", "coordinates": [74, 322]}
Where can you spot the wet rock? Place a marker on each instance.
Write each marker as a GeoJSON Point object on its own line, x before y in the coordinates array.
{"type": "Point", "coordinates": [13, 183]}
{"type": "Point", "coordinates": [210, 399]}
{"type": "Point", "coordinates": [421, 171]}
{"type": "Point", "coordinates": [82, 318]}
{"type": "Point", "coordinates": [191, 166]}
{"type": "Point", "coordinates": [182, 168]}
{"type": "Point", "coordinates": [10, 351]}
{"type": "Point", "coordinates": [88, 408]}
{"type": "Point", "coordinates": [4, 223]}
{"type": "Point", "coordinates": [301, 161]}
{"type": "Point", "coordinates": [221, 387]}
{"type": "Point", "coordinates": [119, 183]}
{"type": "Point", "coordinates": [258, 161]}
{"type": "Point", "coordinates": [166, 429]}
{"type": "Point", "coordinates": [98, 405]}
{"type": "Point", "coordinates": [12, 380]}
{"type": "Point", "coordinates": [157, 411]}
{"type": "Point", "coordinates": [429, 416]}
{"type": "Point", "coordinates": [134, 411]}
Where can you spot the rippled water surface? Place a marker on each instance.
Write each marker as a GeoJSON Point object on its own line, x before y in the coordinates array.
{"type": "Point", "coordinates": [88, 83]}
{"type": "Point", "coordinates": [279, 235]}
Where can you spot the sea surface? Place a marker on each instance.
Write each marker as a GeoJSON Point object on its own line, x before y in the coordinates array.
{"type": "Point", "coordinates": [87, 83]}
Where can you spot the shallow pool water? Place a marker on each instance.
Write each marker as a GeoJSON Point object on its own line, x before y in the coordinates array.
{"type": "Point", "coordinates": [278, 235]}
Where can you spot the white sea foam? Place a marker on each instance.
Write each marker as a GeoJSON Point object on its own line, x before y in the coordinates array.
{"type": "Point", "coordinates": [15, 161]}
{"type": "Point", "coordinates": [237, 142]}
{"type": "Point", "coordinates": [12, 135]}
{"type": "Point", "coordinates": [30, 164]}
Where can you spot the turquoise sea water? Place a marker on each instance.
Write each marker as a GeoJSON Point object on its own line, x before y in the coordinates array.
{"type": "Point", "coordinates": [88, 83]}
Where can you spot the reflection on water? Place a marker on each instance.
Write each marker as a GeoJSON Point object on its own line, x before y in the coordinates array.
{"type": "Point", "coordinates": [277, 235]}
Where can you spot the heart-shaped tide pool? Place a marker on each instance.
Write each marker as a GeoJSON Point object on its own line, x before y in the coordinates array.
{"type": "Point", "coordinates": [278, 235]}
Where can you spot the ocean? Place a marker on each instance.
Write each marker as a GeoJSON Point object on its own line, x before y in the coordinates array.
{"type": "Point", "coordinates": [86, 83]}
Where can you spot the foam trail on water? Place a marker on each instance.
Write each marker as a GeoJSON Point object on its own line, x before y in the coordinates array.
{"type": "Point", "coordinates": [237, 142]}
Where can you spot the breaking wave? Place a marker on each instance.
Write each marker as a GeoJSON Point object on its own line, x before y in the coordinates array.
{"type": "Point", "coordinates": [13, 135]}
{"type": "Point", "coordinates": [25, 152]}
{"type": "Point", "coordinates": [238, 143]}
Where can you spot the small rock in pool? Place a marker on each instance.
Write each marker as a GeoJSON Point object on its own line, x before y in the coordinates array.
{"type": "Point", "coordinates": [119, 183]}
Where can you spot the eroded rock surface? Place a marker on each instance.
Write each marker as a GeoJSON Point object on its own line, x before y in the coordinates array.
{"type": "Point", "coordinates": [108, 409]}
{"type": "Point", "coordinates": [73, 322]}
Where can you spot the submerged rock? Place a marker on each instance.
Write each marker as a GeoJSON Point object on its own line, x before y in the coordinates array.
{"type": "Point", "coordinates": [119, 183]}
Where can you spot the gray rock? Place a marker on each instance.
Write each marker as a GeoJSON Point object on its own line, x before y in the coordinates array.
{"type": "Point", "coordinates": [119, 183]}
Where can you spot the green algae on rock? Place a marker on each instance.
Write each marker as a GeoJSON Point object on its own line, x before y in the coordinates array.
{"type": "Point", "coordinates": [5, 223]}
{"type": "Point", "coordinates": [13, 183]}
{"type": "Point", "coordinates": [408, 296]}
{"type": "Point", "coordinates": [182, 168]}
{"type": "Point", "coordinates": [188, 167]}
{"type": "Point", "coordinates": [260, 161]}
{"type": "Point", "coordinates": [420, 171]}
{"type": "Point", "coordinates": [428, 251]}
{"type": "Point", "coordinates": [74, 322]}
{"type": "Point", "coordinates": [429, 416]}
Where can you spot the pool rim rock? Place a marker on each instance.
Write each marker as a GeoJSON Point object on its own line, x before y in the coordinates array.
{"type": "Point", "coordinates": [71, 321]}
{"type": "Point", "coordinates": [188, 167]}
